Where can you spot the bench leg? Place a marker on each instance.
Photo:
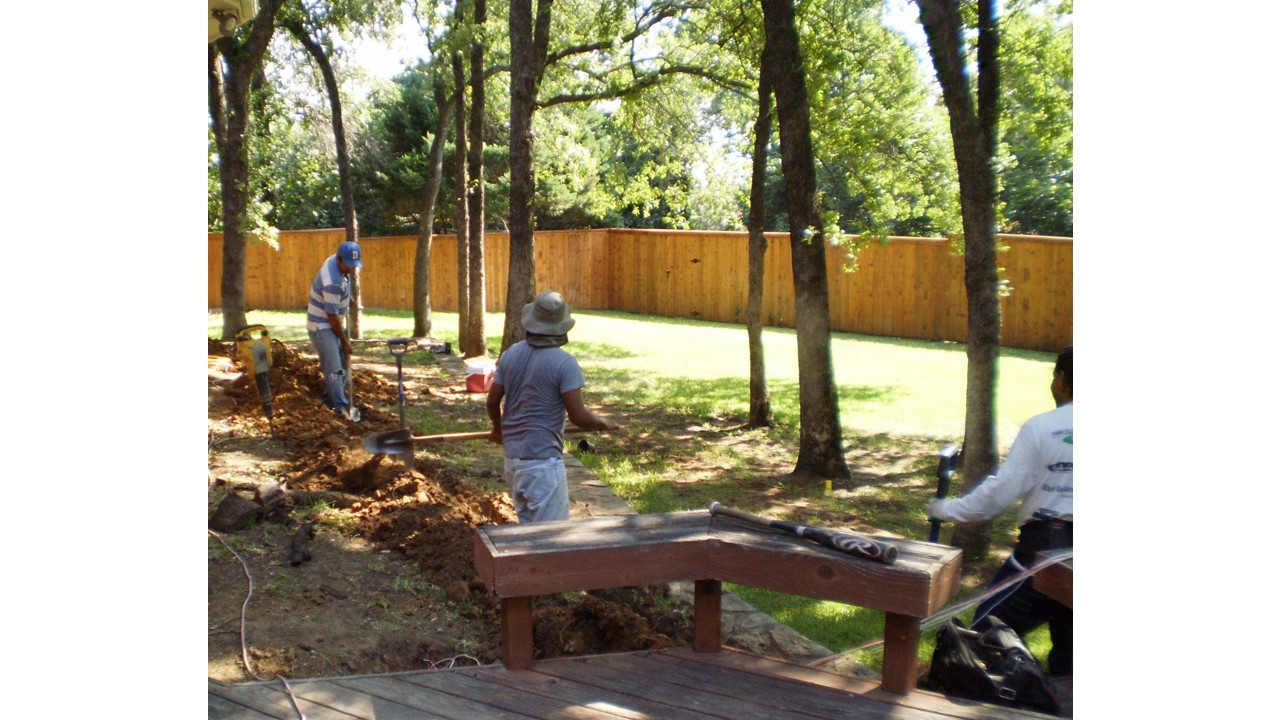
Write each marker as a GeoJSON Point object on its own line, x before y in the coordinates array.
{"type": "Point", "coordinates": [517, 633]}
{"type": "Point", "coordinates": [901, 653]}
{"type": "Point", "coordinates": [706, 615]}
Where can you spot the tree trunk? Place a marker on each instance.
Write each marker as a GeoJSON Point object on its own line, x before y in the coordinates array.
{"type": "Point", "coordinates": [760, 413]}
{"type": "Point", "coordinates": [821, 452]}
{"type": "Point", "coordinates": [426, 217]}
{"type": "Point", "coordinates": [350, 222]}
{"type": "Point", "coordinates": [973, 134]}
{"type": "Point", "coordinates": [462, 212]}
{"type": "Point", "coordinates": [229, 106]}
{"type": "Point", "coordinates": [233, 173]}
{"type": "Point", "coordinates": [473, 340]}
{"type": "Point", "coordinates": [528, 53]}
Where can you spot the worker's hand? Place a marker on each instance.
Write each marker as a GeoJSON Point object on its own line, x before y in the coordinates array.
{"type": "Point", "coordinates": [938, 508]}
{"type": "Point", "coordinates": [346, 347]}
{"type": "Point", "coordinates": [607, 424]}
{"type": "Point", "coordinates": [495, 435]}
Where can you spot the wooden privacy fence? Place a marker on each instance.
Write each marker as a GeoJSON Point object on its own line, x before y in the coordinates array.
{"type": "Point", "coordinates": [907, 288]}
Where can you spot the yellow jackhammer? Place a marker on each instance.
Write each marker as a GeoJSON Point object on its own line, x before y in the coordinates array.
{"type": "Point", "coordinates": [255, 353]}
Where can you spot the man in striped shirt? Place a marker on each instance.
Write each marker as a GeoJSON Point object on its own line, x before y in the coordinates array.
{"type": "Point", "coordinates": [330, 296]}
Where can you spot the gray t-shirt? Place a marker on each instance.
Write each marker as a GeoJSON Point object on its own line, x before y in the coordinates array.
{"type": "Point", "coordinates": [533, 413]}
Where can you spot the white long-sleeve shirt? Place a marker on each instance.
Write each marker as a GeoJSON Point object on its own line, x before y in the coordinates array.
{"type": "Point", "coordinates": [1037, 470]}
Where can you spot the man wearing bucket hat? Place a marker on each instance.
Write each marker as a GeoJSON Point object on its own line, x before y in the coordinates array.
{"type": "Point", "coordinates": [536, 385]}
{"type": "Point", "coordinates": [330, 296]}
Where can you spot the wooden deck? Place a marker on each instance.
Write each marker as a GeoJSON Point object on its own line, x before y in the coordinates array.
{"type": "Point", "coordinates": [675, 684]}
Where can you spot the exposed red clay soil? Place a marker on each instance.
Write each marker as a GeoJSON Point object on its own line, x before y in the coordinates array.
{"type": "Point", "coordinates": [390, 583]}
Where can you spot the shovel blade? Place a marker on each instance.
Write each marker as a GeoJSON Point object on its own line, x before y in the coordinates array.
{"type": "Point", "coordinates": [391, 442]}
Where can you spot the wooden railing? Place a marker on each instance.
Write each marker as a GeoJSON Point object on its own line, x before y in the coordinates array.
{"type": "Point", "coordinates": [907, 288]}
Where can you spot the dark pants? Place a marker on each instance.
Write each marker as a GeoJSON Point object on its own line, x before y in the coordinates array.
{"type": "Point", "coordinates": [1023, 608]}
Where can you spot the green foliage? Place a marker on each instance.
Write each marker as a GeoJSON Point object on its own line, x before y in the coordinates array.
{"type": "Point", "coordinates": [215, 186]}
{"type": "Point", "coordinates": [390, 161]}
{"type": "Point", "coordinates": [1037, 86]}
{"type": "Point", "coordinates": [391, 158]}
{"type": "Point", "coordinates": [653, 138]}
{"type": "Point", "coordinates": [677, 153]}
{"type": "Point", "coordinates": [291, 162]}
{"type": "Point", "coordinates": [882, 146]}
{"type": "Point", "coordinates": [567, 152]}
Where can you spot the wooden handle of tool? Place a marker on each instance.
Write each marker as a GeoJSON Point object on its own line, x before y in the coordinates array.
{"type": "Point", "coordinates": [451, 437]}
{"type": "Point", "coordinates": [477, 435]}
{"type": "Point", "coordinates": [857, 545]}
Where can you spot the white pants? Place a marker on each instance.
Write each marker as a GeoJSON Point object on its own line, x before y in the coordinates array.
{"type": "Point", "coordinates": [539, 489]}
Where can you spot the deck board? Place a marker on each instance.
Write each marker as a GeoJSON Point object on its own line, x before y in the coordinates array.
{"type": "Point", "coordinates": [933, 704]}
{"type": "Point", "coordinates": [592, 695]}
{"type": "Point", "coordinates": [673, 684]}
{"type": "Point", "coordinates": [400, 704]}
{"type": "Point", "coordinates": [421, 702]}
{"type": "Point", "coordinates": [705, 702]}
{"type": "Point", "coordinates": [428, 701]}
{"type": "Point", "coordinates": [222, 709]}
{"type": "Point", "coordinates": [515, 697]}
{"type": "Point", "coordinates": [774, 696]}
{"type": "Point", "coordinates": [270, 700]}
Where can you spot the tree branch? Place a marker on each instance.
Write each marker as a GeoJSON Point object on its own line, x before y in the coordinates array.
{"type": "Point", "coordinates": [640, 29]}
{"type": "Point", "coordinates": [645, 81]}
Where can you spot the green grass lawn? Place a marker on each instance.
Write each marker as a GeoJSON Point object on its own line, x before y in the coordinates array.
{"type": "Point", "coordinates": [885, 385]}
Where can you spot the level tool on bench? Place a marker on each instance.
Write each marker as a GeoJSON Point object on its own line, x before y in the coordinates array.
{"type": "Point", "coordinates": [255, 353]}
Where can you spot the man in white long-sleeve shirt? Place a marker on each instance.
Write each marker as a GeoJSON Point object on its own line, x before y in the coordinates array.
{"type": "Point", "coordinates": [1038, 471]}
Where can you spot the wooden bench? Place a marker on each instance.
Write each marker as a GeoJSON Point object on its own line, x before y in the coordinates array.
{"type": "Point", "coordinates": [519, 562]}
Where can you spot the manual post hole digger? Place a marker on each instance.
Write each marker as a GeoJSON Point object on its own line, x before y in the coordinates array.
{"type": "Point", "coordinates": [398, 347]}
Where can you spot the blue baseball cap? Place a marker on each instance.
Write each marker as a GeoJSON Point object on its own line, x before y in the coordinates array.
{"type": "Point", "coordinates": [349, 254]}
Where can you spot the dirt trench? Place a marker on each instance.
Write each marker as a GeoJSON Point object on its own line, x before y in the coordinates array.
{"type": "Point", "coordinates": [389, 582]}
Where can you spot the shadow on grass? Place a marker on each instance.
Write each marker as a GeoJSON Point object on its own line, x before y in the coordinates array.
{"type": "Point", "coordinates": [707, 397]}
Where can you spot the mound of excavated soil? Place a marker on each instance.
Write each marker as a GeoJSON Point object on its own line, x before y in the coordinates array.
{"type": "Point", "coordinates": [391, 584]}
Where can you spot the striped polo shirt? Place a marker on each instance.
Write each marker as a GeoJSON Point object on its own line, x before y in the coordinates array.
{"type": "Point", "coordinates": [330, 293]}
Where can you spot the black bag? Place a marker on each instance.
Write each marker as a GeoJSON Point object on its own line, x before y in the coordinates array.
{"type": "Point", "coordinates": [993, 666]}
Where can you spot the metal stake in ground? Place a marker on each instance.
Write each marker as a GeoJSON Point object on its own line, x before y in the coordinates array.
{"type": "Point", "coordinates": [353, 412]}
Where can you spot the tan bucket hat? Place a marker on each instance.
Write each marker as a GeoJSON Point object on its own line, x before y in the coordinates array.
{"type": "Point", "coordinates": [547, 315]}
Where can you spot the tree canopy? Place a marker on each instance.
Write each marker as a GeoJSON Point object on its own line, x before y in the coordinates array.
{"type": "Point", "coordinates": [654, 130]}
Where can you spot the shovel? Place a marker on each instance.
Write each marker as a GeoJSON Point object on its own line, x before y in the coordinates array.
{"type": "Point", "coordinates": [353, 412]}
{"type": "Point", "coordinates": [393, 442]}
